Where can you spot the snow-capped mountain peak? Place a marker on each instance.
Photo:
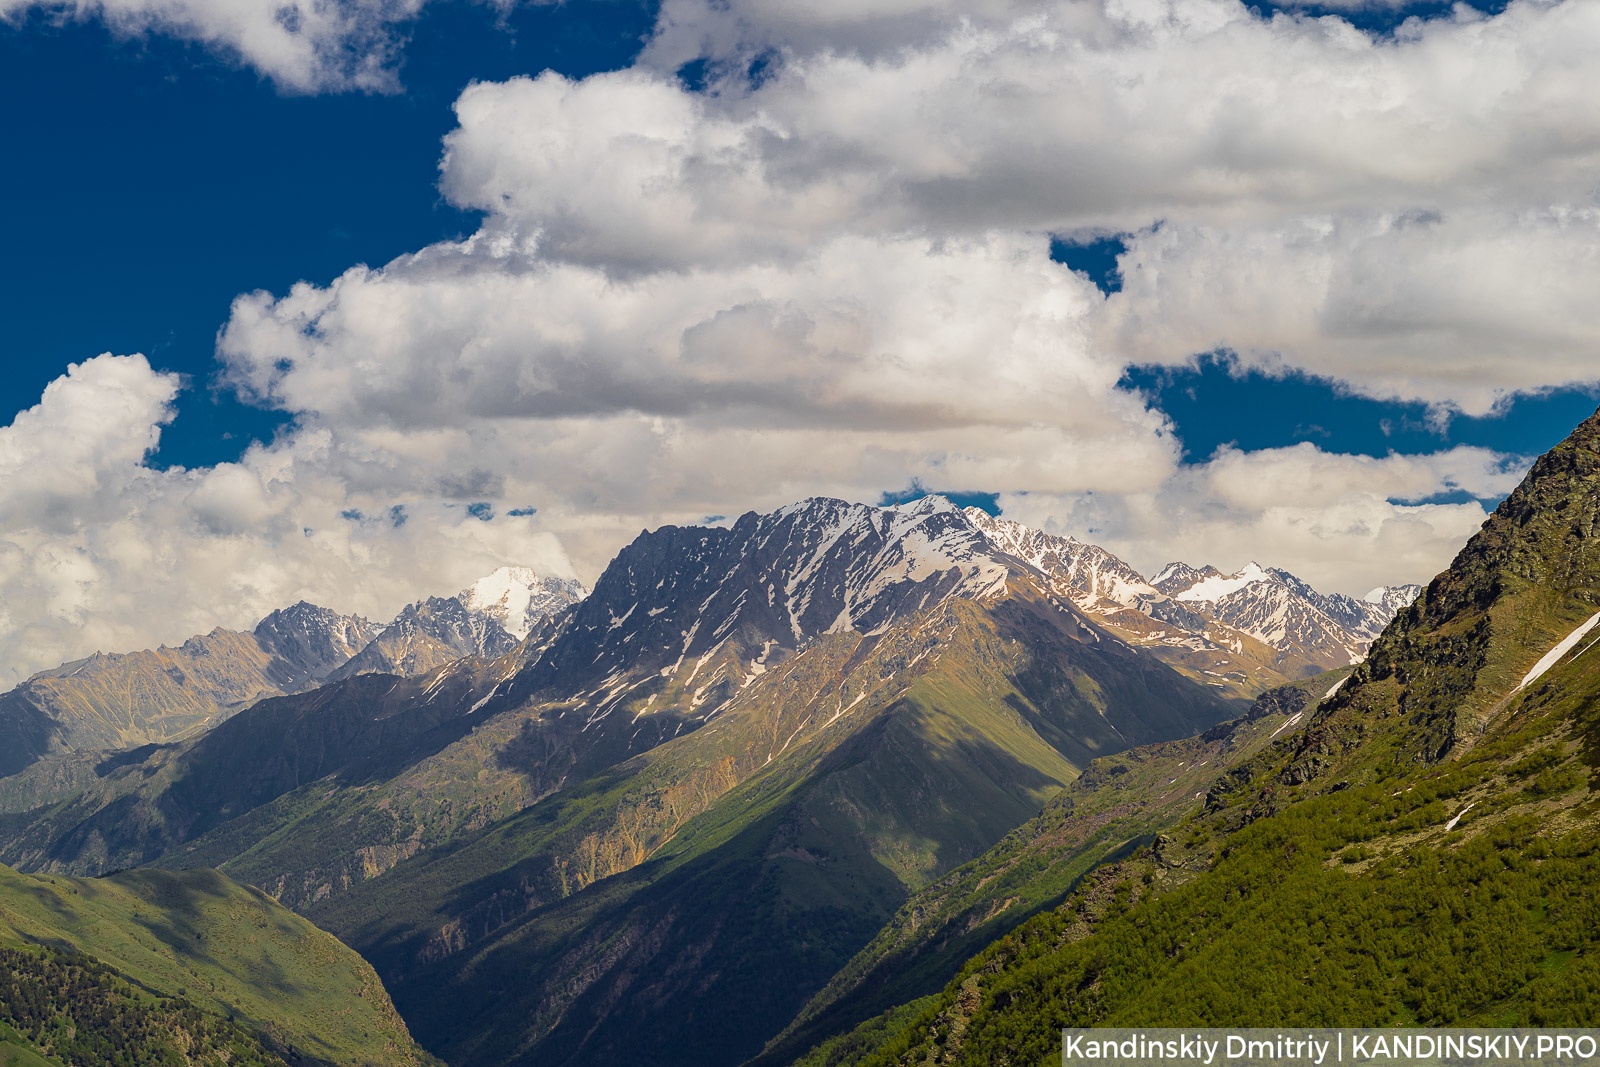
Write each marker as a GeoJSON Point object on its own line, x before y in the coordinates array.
{"type": "Point", "coordinates": [1086, 573]}
{"type": "Point", "coordinates": [1175, 577]}
{"type": "Point", "coordinates": [1393, 598]}
{"type": "Point", "coordinates": [712, 606]}
{"type": "Point", "coordinates": [518, 597]}
{"type": "Point", "coordinates": [1200, 612]}
{"type": "Point", "coordinates": [1216, 586]}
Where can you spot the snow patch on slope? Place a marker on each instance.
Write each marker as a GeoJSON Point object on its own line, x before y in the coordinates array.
{"type": "Point", "coordinates": [1220, 586]}
{"type": "Point", "coordinates": [1551, 658]}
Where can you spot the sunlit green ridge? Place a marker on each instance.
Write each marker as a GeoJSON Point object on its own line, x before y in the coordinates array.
{"type": "Point", "coordinates": [227, 950]}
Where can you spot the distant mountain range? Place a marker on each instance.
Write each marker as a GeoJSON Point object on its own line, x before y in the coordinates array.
{"type": "Point", "coordinates": [1235, 632]}
{"type": "Point", "coordinates": [108, 703]}
{"type": "Point", "coordinates": [1242, 632]}
{"type": "Point", "coordinates": [819, 710]}
{"type": "Point", "coordinates": [844, 785]}
{"type": "Point", "coordinates": [1303, 626]}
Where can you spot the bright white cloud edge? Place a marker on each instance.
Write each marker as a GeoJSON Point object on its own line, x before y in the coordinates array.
{"type": "Point", "coordinates": [302, 46]}
{"type": "Point", "coordinates": [837, 281]}
{"type": "Point", "coordinates": [104, 552]}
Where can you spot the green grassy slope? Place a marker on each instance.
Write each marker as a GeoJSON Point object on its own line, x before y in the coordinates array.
{"type": "Point", "coordinates": [17, 1051]}
{"type": "Point", "coordinates": [1423, 853]}
{"type": "Point", "coordinates": [227, 950]}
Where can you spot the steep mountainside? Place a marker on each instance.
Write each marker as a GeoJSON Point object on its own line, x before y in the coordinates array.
{"type": "Point", "coordinates": [716, 606]}
{"type": "Point", "coordinates": [151, 953]}
{"type": "Point", "coordinates": [1119, 803]}
{"type": "Point", "coordinates": [1423, 852]}
{"type": "Point", "coordinates": [111, 702]}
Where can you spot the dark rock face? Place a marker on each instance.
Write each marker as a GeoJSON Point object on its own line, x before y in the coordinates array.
{"type": "Point", "coordinates": [1284, 700]}
{"type": "Point", "coordinates": [308, 643]}
{"type": "Point", "coordinates": [1539, 549]}
{"type": "Point", "coordinates": [429, 634]}
{"type": "Point", "coordinates": [771, 582]}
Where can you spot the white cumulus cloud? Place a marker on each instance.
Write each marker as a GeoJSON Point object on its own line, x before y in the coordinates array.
{"type": "Point", "coordinates": [99, 551]}
{"type": "Point", "coordinates": [1458, 309]}
{"type": "Point", "coordinates": [829, 272]}
{"type": "Point", "coordinates": [858, 368]}
{"type": "Point", "coordinates": [1413, 216]}
{"type": "Point", "coordinates": [301, 45]}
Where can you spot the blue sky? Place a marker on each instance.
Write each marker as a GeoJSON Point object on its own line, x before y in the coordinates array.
{"type": "Point", "coordinates": [163, 180]}
{"type": "Point", "coordinates": [1215, 402]}
{"type": "Point", "coordinates": [1195, 278]}
{"type": "Point", "coordinates": [158, 180]}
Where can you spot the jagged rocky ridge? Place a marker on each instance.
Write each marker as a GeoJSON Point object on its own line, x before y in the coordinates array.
{"type": "Point", "coordinates": [1255, 629]}
{"type": "Point", "coordinates": [111, 702]}
{"type": "Point", "coordinates": [117, 702]}
{"type": "Point", "coordinates": [771, 582]}
{"type": "Point", "coordinates": [1244, 632]}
